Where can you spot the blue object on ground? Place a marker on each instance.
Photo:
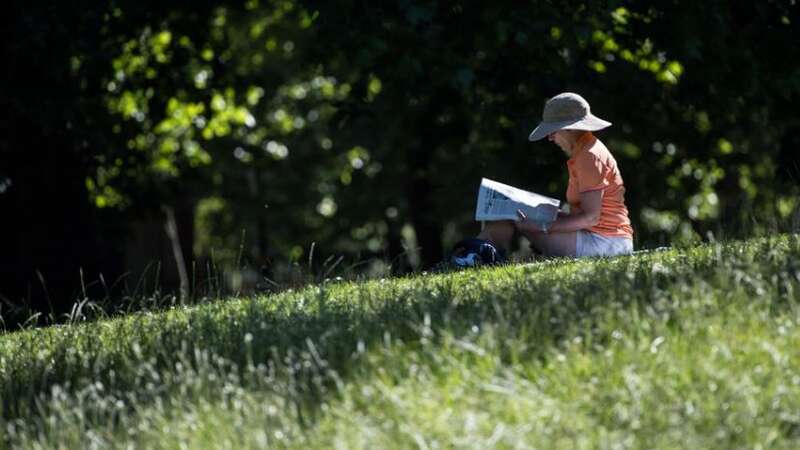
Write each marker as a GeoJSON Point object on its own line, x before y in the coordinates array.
{"type": "Point", "coordinates": [473, 252]}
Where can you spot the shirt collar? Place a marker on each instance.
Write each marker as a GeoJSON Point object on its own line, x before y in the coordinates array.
{"type": "Point", "coordinates": [585, 142]}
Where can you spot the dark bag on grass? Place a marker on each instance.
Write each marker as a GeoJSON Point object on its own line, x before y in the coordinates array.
{"type": "Point", "coordinates": [473, 252]}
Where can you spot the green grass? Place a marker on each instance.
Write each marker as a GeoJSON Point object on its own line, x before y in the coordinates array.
{"type": "Point", "coordinates": [693, 348]}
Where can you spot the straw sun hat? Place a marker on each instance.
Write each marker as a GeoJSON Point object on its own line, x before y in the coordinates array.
{"type": "Point", "coordinates": [567, 111]}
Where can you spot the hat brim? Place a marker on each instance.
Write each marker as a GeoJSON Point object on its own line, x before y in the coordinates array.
{"type": "Point", "coordinates": [588, 123]}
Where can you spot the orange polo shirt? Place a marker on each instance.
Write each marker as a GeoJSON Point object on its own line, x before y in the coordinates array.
{"type": "Point", "coordinates": [592, 167]}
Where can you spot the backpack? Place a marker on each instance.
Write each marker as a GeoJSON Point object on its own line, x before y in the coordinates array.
{"type": "Point", "coordinates": [474, 252]}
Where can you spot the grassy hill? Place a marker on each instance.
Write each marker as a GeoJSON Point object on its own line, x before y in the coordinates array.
{"type": "Point", "coordinates": [693, 348]}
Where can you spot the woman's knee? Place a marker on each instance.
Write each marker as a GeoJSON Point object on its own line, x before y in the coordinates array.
{"type": "Point", "coordinates": [499, 232]}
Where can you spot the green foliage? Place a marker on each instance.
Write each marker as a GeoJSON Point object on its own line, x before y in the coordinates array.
{"type": "Point", "coordinates": [355, 126]}
{"type": "Point", "coordinates": [693, 348]}
{"type": "Point", "coordinates": [286, 87]}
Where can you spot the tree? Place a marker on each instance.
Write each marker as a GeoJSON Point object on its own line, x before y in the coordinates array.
{"type": "Point", "coordinates": [364, 129]}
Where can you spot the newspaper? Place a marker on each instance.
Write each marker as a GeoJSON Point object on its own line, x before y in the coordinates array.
{"type": "Point", "coordinates": [498, 201]}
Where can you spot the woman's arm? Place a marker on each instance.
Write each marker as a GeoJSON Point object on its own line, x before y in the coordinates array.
{"type": "Point", "coordinates": [587, 217]}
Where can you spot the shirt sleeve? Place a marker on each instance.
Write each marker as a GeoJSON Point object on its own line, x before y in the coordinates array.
{"type": "Point", "coordinates": [591, 173]}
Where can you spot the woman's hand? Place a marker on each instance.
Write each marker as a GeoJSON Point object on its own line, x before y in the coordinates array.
{"type": "Point", "coordinates": [523, 224]}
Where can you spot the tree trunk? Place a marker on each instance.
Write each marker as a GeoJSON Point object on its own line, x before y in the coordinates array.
{"type": "Point", "coordinates": [398, 256]}
{"type": "Point", "coordinates": [420, 192]}
{"type": "Point", "coordinates": [171, 227]}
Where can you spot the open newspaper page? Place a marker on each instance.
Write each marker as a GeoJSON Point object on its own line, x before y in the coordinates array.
{"type": "Point", "coordinates": [498, 201]}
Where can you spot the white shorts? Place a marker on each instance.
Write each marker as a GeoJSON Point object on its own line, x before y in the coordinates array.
{"type": "Point", "coordinates": [593, 244]}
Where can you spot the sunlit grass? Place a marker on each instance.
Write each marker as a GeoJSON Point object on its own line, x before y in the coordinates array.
{"type": "Point", "coordinates": [689, 349]}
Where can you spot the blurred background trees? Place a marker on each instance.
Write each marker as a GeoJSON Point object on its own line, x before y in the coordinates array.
{"type": "Point", "coordinates": [263, 131]}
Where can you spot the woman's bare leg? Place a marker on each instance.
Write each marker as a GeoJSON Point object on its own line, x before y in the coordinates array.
{"type": "Point", "coordinates": [554, 244]}
{"type": "Point", "coordinates": [499, 232]}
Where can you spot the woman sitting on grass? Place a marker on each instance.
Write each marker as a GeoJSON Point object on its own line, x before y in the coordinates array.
{"type": "Point", "coordinates": [597, 223]}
